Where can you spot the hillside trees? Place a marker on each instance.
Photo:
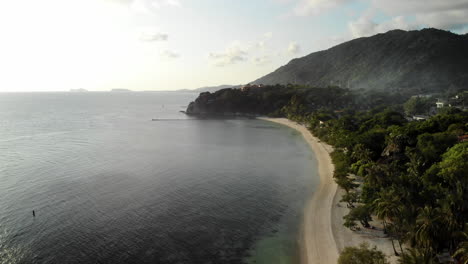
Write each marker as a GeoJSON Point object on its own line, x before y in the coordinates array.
{"type": "Point", "coordinates": [415, 177]}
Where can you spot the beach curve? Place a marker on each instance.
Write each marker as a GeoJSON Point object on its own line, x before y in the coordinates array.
{"type": "Point", "coordinates": [318, 244]}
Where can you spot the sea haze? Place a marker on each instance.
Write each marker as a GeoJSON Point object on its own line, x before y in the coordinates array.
{"type": "Point", "coordinates": [109, 185]}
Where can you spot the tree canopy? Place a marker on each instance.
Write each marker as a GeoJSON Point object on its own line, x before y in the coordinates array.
{"type": "Point", "coordinates": [362, 255]}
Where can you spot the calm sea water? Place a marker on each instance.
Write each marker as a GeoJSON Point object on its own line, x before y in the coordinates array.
{"type": "Point", "coordinates": [109, 185]}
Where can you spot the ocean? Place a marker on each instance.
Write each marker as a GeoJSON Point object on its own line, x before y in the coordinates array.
{"type": "Point", "coordinates": [109, 185]}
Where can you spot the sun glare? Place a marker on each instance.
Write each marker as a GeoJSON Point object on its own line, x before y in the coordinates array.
{"type": "Point", "coordinates": [59, 45]}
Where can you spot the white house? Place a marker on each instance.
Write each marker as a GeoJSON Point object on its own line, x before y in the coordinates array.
{"type": "Point", "coordinates": [440, 103]}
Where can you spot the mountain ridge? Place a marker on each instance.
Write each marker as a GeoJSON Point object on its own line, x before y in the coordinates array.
{"type": "Point", "coordinates": [418, 61]}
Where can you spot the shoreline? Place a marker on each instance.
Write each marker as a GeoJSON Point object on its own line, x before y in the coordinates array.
{"type": "Point", "coordinates": [322, 234]}
{"type": "Point", "coordinates": [317, 240]}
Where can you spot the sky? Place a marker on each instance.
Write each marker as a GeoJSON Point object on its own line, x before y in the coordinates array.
{"type": "Point", "coordinates": [98, 45]}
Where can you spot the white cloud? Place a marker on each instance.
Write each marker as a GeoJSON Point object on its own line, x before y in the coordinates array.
{"type": "Point", "coordinates": [169, 54]}
{"type": "Point", "coordinates": [261, 44]}
{"type": "Point", "coordinates": [445, 14]}
{"type": "Point", "coordinates": [294, 48]}
{"type": "Point", "coordinates": [268, 35]}
{"type": "Point", "coordinates": [283, 1]}
{"type": "Point", "coordinates": [162, 3]}
{"type": "Point", "coordinates": [232, 54]}
{"type": "Point", "coordinates": [365, 26]}
{"type": "Point", "coordinates": [262, 60]}
{"type": "Point", "coordinates": [258, 52]}
{"type": "Point", "coordinates": [153, 36]}
{"type": "Point", "coordinates": [451, 14]}
{"type": "Point", "coordinates": [451, 19]}
{"type": "Point", "coordinates": [398, 7]}
{"type": "Point", "coordinates": [362, 27]}
{"type": "Point", "coordinates": [316, 7]}
{"type": "Point", "coordinates": [124, 2]}
{"type": "Point", "coordinates": [147, 6]}
{"type": "Point", "coordinates": [151, 2]}
{"type": "Point", "coordinates": [173, 3]}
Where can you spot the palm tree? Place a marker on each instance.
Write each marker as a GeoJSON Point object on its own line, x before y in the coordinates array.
{"type": "Point", "coordinates": [427, 228]}
{"type": "Point", "coordinates": [414, 256]}
{"type": "Point", "coordinates": [462, 251]}
{"type": "Point", "coordinates": [413, 175]}
{"type": "Point", "coordinates": [395, 231]}
{"type": "Point", "coordinates": [388, 206]}
{"type": "Point", "coordinates": [448, 224]}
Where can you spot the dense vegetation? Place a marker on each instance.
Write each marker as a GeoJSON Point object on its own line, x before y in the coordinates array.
{"type": "Point", "coordinates": [362, 255]}
{"type": "Point", "coordinates": [412, 175]}
{"type": "Point", "coordinates": [272, 99]}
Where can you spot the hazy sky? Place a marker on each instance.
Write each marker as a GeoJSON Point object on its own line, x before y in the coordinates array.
{"type": "Point", "coordinates": [49, 45]}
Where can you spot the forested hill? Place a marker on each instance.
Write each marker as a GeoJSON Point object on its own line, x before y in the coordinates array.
{"type": "Point", "coordinates": [428, 60]}
{"type": "Point", "coordinates": [274, 99]}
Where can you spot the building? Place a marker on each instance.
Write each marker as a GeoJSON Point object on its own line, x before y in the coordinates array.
{"type": "Point", "coordinates": [463, 138]}
{"type": "Point", "coordinates": [247, 87]}
{"type": "Point", "coordinates": [440, 103]}
{"type": "Point", "coordinates": [420, 117]}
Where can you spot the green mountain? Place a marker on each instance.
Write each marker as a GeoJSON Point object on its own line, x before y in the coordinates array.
{"type": "Point", "coordinates": [410, 62]}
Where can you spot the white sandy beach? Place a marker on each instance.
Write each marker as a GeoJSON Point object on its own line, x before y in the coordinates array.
{"type": "Point", "coordinates": [324, 235]}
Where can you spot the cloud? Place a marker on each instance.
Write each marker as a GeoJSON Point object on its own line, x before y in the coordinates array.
{"type": "Point", "coordinates": [262, 60]}
{"type": "Point", "coordinates": [365, 26]}
{"type": "Point", "coordinates": [173, 2]}
{"type": "Point", "coordinates": [169, 54]}
{"type": "Point", "coordinates": [283, 1]}
{"type": "Point", "coordinates": [395, 7]}
{"type": "Point", "coordinates": [294, 48]}
{"type": "Point", "coordinates": [316, 7]}
{"type": "Point", "coordinates": [123, 2]}
{"type": "Point", "coordinates": [445, 14]}
{"type": "Point", "coordinates": [362, 27]}
{"type": "Point", "coordinates": [268, 35]}
{"type": "Point", "coordinates": [451, 19]}
{"type": "Point", "coordinates": [232, 54]}
{"type": "Point", "coordinates": [147, 6]}
{"type": "Point", "coordinates": [448, 15]}
{"type": "Point", "coordinates": [162, 3]}
{"type": "Point", "coordinates": [156, 3]}
{"type": "Point", "coordinates": [261, 44]}
{"type": "Point", "coordinates": [153, 36]}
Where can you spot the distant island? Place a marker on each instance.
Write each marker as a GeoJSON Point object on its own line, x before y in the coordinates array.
{"type": "Point", "coordinates": [121, 90]}
{"type": "Point", "coordinates": [80, 90]}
